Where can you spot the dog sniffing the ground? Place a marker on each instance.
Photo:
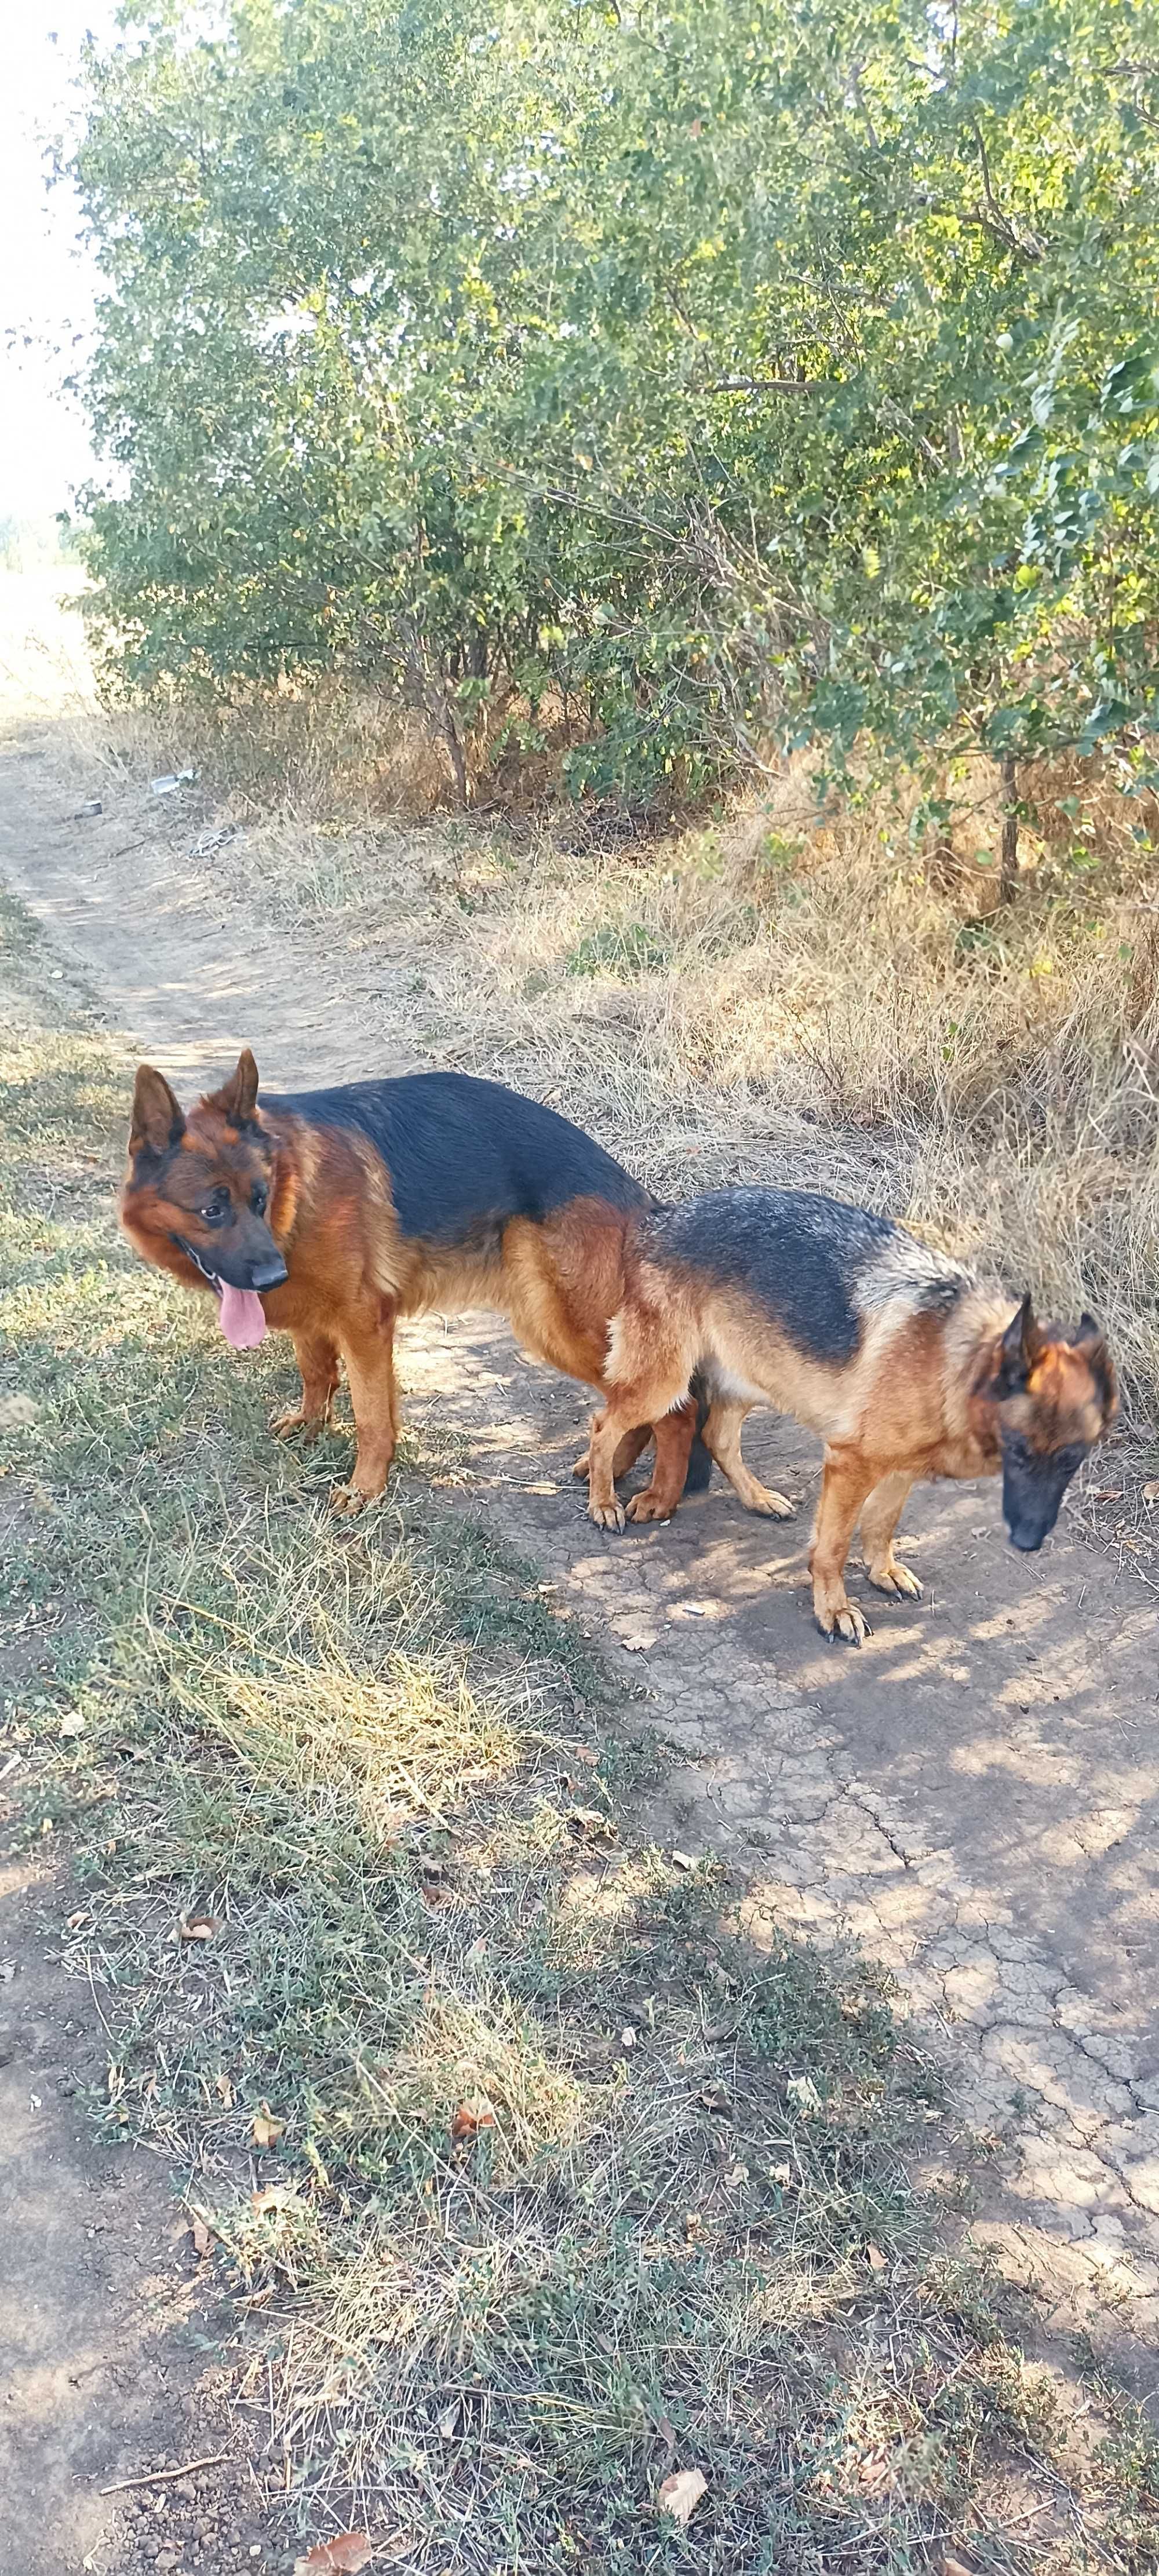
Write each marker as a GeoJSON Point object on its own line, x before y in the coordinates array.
{"type": "Point", "coordinates": [906, 1366]}
{"type": "Point", "coordinates": [330, 1214]}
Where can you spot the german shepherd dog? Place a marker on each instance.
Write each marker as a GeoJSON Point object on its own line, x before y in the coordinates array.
{"type": "Point", "coordinates": [907, 1367]}
{"type": "Point", "coordinates": [328, 1214]}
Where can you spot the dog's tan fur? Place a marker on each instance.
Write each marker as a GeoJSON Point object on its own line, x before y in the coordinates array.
{"type": "Point", "coordinates": [919, 1399]}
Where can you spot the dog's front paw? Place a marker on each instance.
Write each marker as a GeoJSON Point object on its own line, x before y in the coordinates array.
{"type": "Point", "coordinates": [310, 1425]}
{"type": "Point", "coordinates": [774, 1506]}
{"type": "Point", "coordinates": [896, 1578]}
{"type": "Point", "coordinates": [845, 1622]}
{"type": "Point", "coordinates": [607, 1515]}
{"type": "Point", "coordinates": [650, 1507]}
{"type": "Point", "coordinates": [346, 1500]}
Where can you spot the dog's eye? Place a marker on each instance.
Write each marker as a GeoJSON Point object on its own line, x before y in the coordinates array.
{"type": "Point", "coordinates": [259, 1198]}
{"type": "Point", "coordinates": [216, 1209]}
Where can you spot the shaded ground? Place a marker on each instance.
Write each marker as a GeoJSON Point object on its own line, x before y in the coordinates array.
{"type": "Point", "coordinates": [103, 2322]}
{"type": "Point", "coordinates": [973, 1793]}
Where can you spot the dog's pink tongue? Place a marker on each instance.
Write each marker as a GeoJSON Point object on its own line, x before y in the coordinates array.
{"type": "Point", "coordinates": [242, 1320]}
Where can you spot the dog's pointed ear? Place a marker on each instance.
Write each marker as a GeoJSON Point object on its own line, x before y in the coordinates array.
{"type": "Point", "coordinates": [1091, 1341]}
{"type": "Point", "coordinates": [1021, 1345]}
{"type": "Point", "coordinates": [157, 1121]}
{"type": "Point", "coordinates": [237, 1098]}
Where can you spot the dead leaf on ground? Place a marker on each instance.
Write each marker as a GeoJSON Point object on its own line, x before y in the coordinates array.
{"type": "Point", "coordinates": [589, 1823]}
{"type": "Point", "coordinates": [202, 2240]}
{"type": "Point", "coordinates": [350, 2551]}
{"type": "Point", "coordinates": [714, 2097]}
{"type": "Point", "coordinates": [276, 2195]}
{"type": "Point", "coordinates": [225, 2089]}
{"type": "Point", "coordinates": [74, 1723]}
{"type": "Point", "coordinates": [470, 2117]}
{"type": "Point", "coordinates": [955, 2567]}
{"type": "Point", "coordinates": [266, 2130]}
{"type": "Point", "coordinates": [878, 2262]}
{"type": "Point", "coordinates": [197, 1927]}
{"type": "Point", "coordinates": [1151, 1493]}
{"type": "Point", "coordinates": [680, 2495]}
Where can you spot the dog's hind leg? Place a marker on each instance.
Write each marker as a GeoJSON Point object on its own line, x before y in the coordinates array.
{"type": "Point", "coordinates": [626, 1455]}
{"type": "Point", "coordinates": [620, 1417]}
{"type": "Point", "coordinates": [652, 1349]}
{"type": "Point", "coordinates": [879, 1519]}
{"type": "Point", "coordinates": [370, 1370]}
{"type": "Point", "coordinates": [721, 1437]}
{"type": "Point", "coordinates": [844, 1487]}
{"type": "Point", "coordinates": [606, 1434]}
{"type": "Point", "coordinates": [675, 1433]}
{"type": "Point", "coordinates": [317, 1358]}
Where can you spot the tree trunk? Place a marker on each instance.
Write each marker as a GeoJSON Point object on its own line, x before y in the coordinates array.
{"type": "Point", "coordinates": [1008, 865]}
{"type": "Point", "coordinates": [445, 717]}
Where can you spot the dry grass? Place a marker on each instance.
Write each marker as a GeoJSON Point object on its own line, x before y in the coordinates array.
{"type": "Point", "coordinates": [308, 749]}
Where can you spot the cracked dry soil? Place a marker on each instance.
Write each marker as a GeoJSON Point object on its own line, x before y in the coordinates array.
{"type": "Point", "coordinates": [973, 1794]}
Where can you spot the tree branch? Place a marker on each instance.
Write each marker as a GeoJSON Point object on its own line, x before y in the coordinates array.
{"type": "Point", "coordinates": [771, 385]}
{"type": "Point", "coordinates": [1025, 246]}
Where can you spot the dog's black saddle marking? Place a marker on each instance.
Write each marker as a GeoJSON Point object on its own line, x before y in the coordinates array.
{"type": "Point", "coordinates": [463, 1155]}
{"type": "Point", "coordinates": [807, 1260]}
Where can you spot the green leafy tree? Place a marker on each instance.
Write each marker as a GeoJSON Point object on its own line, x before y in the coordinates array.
{"type": "Point", "coordinates": [734, 375]}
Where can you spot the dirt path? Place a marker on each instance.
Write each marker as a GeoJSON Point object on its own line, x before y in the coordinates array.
{"type": "Point", "coordinates": [973, 1794]}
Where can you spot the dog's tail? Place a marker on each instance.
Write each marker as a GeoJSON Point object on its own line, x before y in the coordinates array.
{"type": "Point", "coordinates": [699, 1462]}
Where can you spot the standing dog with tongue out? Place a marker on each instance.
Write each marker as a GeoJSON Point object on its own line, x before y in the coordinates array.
{"type": "Point", "coordinates": [328, 1214]}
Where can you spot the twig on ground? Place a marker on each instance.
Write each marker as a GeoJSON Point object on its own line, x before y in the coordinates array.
{"type": "Point", "coordinates": [161, 2477]}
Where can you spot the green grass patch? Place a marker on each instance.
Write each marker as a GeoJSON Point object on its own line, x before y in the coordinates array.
{"type": "Point", "coordinates": [622, 949]}
{"type": "Point", "coordinates": [530, 2181]}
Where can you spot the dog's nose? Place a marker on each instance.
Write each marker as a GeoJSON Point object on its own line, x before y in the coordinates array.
{"type": "Point", "coordinates": [1027, 1541]}
{"type": "Point", "coordinates": [269, 1274]}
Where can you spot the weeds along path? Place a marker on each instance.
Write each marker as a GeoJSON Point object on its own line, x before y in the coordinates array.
{"type": "Point", "coordinates": [973, 1794]}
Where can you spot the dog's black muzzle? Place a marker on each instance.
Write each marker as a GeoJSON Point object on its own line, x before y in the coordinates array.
{"type": "Point", "coordinates": [265, 1269]}
{"type": "Point", "coordinates": [1032, 1491]}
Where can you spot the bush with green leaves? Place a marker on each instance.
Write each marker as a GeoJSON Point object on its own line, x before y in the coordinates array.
{"type": "Point", "coordinates": [724, 376]}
